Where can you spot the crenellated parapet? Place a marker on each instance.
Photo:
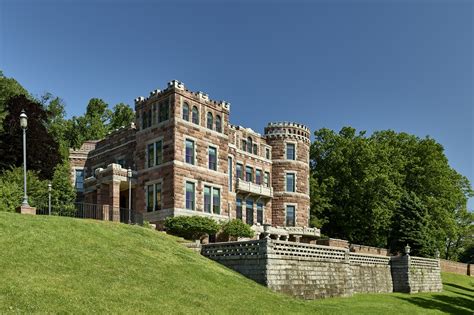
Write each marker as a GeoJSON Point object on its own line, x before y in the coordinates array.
{"type": "Point", "coordinates": [180, 87]}
{"type": "Point", "coordinates": [287, 130]}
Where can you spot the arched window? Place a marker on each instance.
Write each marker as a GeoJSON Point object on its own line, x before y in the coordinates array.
{"type": "Point", "coordinates": [218, 124]}
{"type": "Point", "coordinates": [186, 111]}
{"type": "Point", "coordinates": [210, 120]}
{"type": "Point", "coordinates": [195, 115]}
{"type": "Point", "coordinates": [249, 145]}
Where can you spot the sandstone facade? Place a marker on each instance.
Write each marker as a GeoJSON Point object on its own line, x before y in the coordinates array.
{"type": "Point", "coordinates": [188, 159]}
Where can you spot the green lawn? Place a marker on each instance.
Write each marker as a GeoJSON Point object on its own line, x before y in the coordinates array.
{"type": "Point", "coordinates": [57, 265]}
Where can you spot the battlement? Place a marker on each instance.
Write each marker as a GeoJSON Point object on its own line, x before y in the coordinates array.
{"type": "Point", "coordinates": [287, 130]}
{"type": "Point", "coordinates": [178, 85]}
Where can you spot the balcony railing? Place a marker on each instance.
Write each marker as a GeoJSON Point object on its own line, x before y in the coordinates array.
{"type": "Point", "coordinates": [252, 188]}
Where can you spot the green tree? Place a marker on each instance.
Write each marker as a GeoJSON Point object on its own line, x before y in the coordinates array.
{"type": "Point", "coordinates": [9, 87]}
{"type": "Point", "coordinates": [42, 150]}
{"type": "Point", "coordinates": [122, 115]}
{"type": "Point", "coordinates": [236, 228]}
{"type": "Point", "coordinates": [11, 189]}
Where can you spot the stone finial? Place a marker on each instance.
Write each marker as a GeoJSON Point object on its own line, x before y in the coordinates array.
{"type": "Point", "coordinates": [139, 99]}
{"type": "Point", "coordinates": [407, 249]}
{"type": "Point", "coordinates": [176, 84]}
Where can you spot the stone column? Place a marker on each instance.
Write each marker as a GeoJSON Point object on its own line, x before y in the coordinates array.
{"type": "Point", "coordinates": [114, 200]}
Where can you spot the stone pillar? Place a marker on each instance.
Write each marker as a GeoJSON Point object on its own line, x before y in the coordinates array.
{"type": "Point", "coordinates": [297, 238]}
{"type": "Point", "coordinates": [102, 200]}
{"type": "Point", "coordinates": [114, 200]}
{"type": "Point", "coordinates": [26, 209]}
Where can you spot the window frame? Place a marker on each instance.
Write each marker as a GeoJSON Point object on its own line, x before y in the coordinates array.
{"type": "Point", "coordinates": [184, 110]}
{"type": "Point", "coordinates": [210, 121]}
{"type": "Point", "coordinates": [193, 208]}
{"type": "Point", "coordinates": [218, 123]}
{"type": "Point", "coordinates": [294, 181]}
{"type": "Point", "coordinates": [186, 140]}
{"type": "Point", "coordinates": [209, 148]}
{"type": "Point", "coordinates": [294, 151]}
{"type": "Point", "coordinates": [195, 115]}
{"type": "Point", "coordinates": [294, 213]}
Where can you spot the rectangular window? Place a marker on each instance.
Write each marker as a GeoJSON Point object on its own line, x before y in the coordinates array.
{"type": "Point", "coordinates": [151, 154]}
{"type": "Point", "coordinates": [249, 211]}
{"type": "Point", "coordinates": [164, 111]}
{"type": "Point", "coordinates": [212, 158]}
{"type": "Point", "coordinates": [207, 199]}
{"type": "Point", "coordinates": [266, 179]}
{"type": "Point", "coordinates": [258, 177]}
{"type": "Point", "coordinates": [244, 145]}
{"type": "Point", "coordinates": [216, 200]}
{"type": "Point", "coordinates": [290, 182]}
{"type": "Point", "coordinates": [255, 149]}
{"type": "Point", "coordinates": [159, 152]}
{"type": "Point", "coordinates": [267, 153]}
{"type": "Point", "coordinates": [189, 151]}
{"type": "Point", "coordinates": [190, 194]}
{"type": "Point", "coordinates": [290, 151]}
{"type": "Point", "coordinates": [79, 180]}
{"type": "Point", "coordinates": [238, 208]}
{"type": "Point", "coordinates": [230, 172]}
{"type": "Point", "coordinates": [260, 212]}
{"type": "Point", "coordinates": [238, 172]}
{"type": "Point", "coordinates": [149, 199]}
{"type": "Point", "coordinates": [248, 174]}
{"type": "Point", "coordinates": [290, 215]}
{"type": "Point", "coordinates": [158, 196]}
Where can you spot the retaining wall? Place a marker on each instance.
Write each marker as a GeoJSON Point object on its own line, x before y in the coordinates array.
{"type": "Point", "coordinates": [456, 267]}
{"type": "Point", "coordinates": [312, 271]}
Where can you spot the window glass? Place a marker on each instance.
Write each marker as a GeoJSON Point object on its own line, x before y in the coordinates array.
{"type": "Point", "coordinates": [218, 123]}
{"type": "Point", "coordinates": [212, 158]}
{"type": "Point", "coordinates": [266, 179]}
{"type": "Point", "coordinates": [238, 208]}
{"type": "Point", "coordinates": [207, 199]}
{"type": "Point", "coordinates": [151, 154]}
{"type": "Point", "coordinates": [249, 145]}
{"type": "Point", "coordinates": [164, 111]}
{"type": "Point", "coordinates": [210, 120]}
{"type": "Point", "coordinates": [248, 174]}
{"type": "Point", "coordinates": [149, 203]}
{"type": "Point", "coordinates": [229, 161]}
{"type": "Point", "coordinates": [185, 111]}
{"type": "Point", "coordinates": [255, 149]}
{"type": "Point", "coordinates": [79, 180]}
{"type": "Point", "coordinates": [190, 196]}
{"type": "Point", "coordinates": [249, 211]}
{"type": "Point", "coordinates": [149, 118]}
{"type": "Point", "coordinates": [239, 170]}
{"type": "Point", "coordinates": [195, 117]}
{"type": "Point", "coordinates": [190, 152]}
{"type": "Point", "coordinates": [158, 196]}
{"type": "Point", "coordinates": [267, 153]}
{"type": "Point", "coordinates": [258, 177]}
{"type": "Point", "coordinates": [290, 151]}
{"type": "Point", "coordinates": [260, 212]}
{"type": "Point", "coordinates": [290, 215]}
{"type": "Point", "coordinates": [159, 152]}
{"type": "Point", "coordinates": [290, 182]}
{"type": "Point", "coordinates": [244, 145]}
{"type": "Point", "coordinates": [216, 200]}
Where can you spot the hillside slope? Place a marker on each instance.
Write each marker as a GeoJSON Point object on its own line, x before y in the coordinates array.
{"type": "Point", "coordinates": [54, 264]}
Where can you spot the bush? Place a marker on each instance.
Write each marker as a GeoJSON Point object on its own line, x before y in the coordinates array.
{"type": "Point", "coordinates": [193, 227]}
{"type": "Point", "coordinates": [237, 228]}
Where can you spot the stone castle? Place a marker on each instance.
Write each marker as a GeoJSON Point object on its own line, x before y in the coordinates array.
{"type": "Point", "coordinates": [188, 159]}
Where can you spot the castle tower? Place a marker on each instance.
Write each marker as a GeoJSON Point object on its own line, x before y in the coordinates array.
{"type": "Point", "coordinates": [290, 173]}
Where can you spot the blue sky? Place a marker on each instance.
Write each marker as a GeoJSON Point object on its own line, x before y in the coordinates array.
{"type": "Point", "coordinates": [402, 65]}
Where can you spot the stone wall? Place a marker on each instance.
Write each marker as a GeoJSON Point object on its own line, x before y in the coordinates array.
{"type": "Point", "coordinates": [312, 271]}
{"type": "Point", "coordinates": [456, 267]}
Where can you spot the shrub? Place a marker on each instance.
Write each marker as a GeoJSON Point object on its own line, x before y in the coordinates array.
{"type": "Point", "coordinates": [192, 227]}
{"type": "Point", "coordinates": [237, 228]}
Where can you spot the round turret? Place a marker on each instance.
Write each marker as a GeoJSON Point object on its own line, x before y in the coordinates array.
{"type": "Point", "coordinates": [290, 172]}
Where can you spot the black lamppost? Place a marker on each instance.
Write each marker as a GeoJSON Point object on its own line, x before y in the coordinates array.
{"type": "Point", "coordinates": [129, 175]}
{"type": "Point", "coordinates": [49, 198]}
{"type": "Point", "coordinates": [24, 124]}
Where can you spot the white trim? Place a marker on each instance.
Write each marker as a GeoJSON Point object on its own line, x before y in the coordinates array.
{"type": "Point", "coordinates": [153, 183]}
{"type": "Point", "coordinates": [195, 167]}
{"type": "Point", "coordinates": [194, 140]}
{"type": "Point", "coordinates": [296, 151]}
{"type": "Point", "coordinates": [258, 157]}
{"type": "Point", "coordinates": [304, 164]}
{"type": "Point", "coordinates": [286, 172]}
{"type": "Point", "coordinates": [211, 145]}
{"type": "Point", "coordinates": [295, 194]}
{"type": "Point", "coordinates": [212, 186]}
{"type": "Point", "coordinates": [195, 182]}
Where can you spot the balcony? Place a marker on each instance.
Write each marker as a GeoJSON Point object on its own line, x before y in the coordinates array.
{"type": "Point", "coordinates": [254, 189]}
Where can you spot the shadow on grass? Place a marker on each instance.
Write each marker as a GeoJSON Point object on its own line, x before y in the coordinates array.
{"type": "Point", "coordinates": [457, 286]}
{"type": "Point", "coordinates": [447, 304]}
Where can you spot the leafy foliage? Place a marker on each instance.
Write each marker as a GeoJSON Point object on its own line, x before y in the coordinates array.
{"type": "Point", "coordinates": [237, 228]}
{"type": "Point", "coordinates": [9, 87]}
{"type": "Point", "coordinates": [42, 149]}
{"type": "Point", "coordinates": [11, 189]}
{"type": "Point", "coordinates": [191, 227]}
{"type": "Point", "coordinates": [369, 189]}
{"type": "Point", "coordinates": [122, 115]}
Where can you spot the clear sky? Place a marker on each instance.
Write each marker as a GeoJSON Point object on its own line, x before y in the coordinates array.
{"type": "Point", "coordinates": [402, 65]}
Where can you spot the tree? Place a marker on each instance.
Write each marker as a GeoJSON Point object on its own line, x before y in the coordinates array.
{"type": "Point", "coordinates": [9, 87]}
{"type": "Point", "coordinates": [42, 149]}
{"type": "Point", "coordinates": [57, 124]}
{"type": "Point", "coordinates": [122, 115]}
{"type": "Point", "coordinates": [412, 227]}
{"type": "Point", "coordinates": [360, 187]}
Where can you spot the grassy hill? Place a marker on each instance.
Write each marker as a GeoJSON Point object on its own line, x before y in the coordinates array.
{"type": "Point", "coordinates": [54, 264]}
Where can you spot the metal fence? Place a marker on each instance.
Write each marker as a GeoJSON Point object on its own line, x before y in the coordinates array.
{"type": "Point", "coordinates": [90, 211]}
